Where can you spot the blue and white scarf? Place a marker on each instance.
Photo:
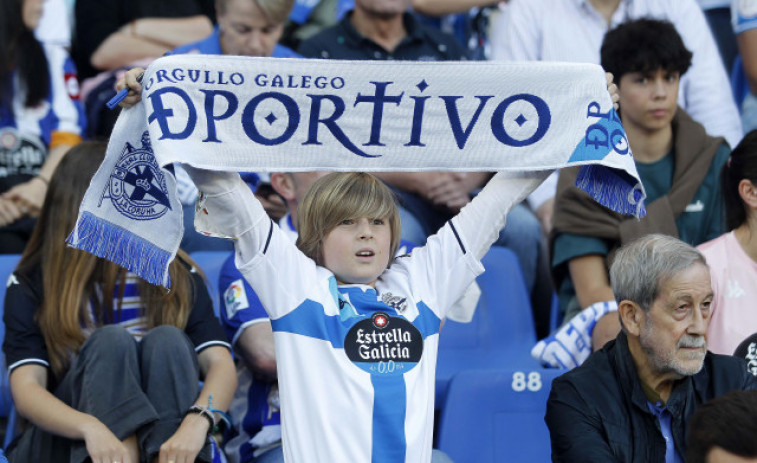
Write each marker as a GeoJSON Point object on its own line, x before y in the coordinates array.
{"type": "Point", "coordinates": [262, 114]}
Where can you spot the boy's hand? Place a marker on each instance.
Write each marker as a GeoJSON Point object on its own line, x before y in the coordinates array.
{"type": "Point", "coordinates": [613, 89]}
{"type": "Point", "coordinates": [131, 79]}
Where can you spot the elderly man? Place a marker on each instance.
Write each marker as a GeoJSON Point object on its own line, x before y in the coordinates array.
{"type": "Point", "coordinates": [631, 401]}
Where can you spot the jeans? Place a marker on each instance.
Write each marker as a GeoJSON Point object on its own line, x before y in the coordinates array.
{"type": "Point", "coordinates": [133, 388]}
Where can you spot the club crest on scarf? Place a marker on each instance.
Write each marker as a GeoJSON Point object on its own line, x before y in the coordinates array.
{"type": "Point", "coordinates": [137, 186]}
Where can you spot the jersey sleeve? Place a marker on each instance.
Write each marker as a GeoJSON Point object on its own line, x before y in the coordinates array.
{"type": "Point", "coordinates": [240, 306]}
{"type": "Point", "coordinates": [279, 273]}
{"type": "Point", "coordinates": [24, 342]}
{"type": "Point", "coordinates": [203, 328]}
{"type": "Point", "coordinates": [442, 270]}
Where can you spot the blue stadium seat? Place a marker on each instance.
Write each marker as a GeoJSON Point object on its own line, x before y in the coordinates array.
{"type": "Point", "coordinates": [8, 264]}
{"type": "Point", "coordinates": [739, 85]}
{"type": "Point", "coordinates": [555, 317]}
{"type": "Point", "coordinates": [497, 416]}
{"type": "Point", "coordinates": [502, 331]}
{"type": "Point", "coordinates": [211, 263]}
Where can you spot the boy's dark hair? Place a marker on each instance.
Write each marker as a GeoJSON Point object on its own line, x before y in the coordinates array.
{"type": "Point", "coordinates": [727, 422]}
{"type": "Point", "coordinates": [644, 45]}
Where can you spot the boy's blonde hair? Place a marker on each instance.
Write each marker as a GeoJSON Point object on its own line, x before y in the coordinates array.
{"type": "Point", "coordinates": [339, 196]}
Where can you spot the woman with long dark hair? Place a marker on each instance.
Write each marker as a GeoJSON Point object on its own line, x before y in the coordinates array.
{"type": "Point", "coordinates": [76, 372]}
{"type": "Point", "coordinates": [732, 257]}
{"type": "Point", "coordinates": [40, 118]}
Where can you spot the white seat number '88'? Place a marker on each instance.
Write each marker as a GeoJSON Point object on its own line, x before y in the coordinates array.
{"type": "Point", "coordinates": [521, 382]}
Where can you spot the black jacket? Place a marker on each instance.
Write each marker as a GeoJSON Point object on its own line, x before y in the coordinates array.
{"type": "Point", "coordinates": [598, 411]}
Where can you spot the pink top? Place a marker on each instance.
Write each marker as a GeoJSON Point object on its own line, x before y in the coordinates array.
{"type": "Point", "coordinates": [734, 281]}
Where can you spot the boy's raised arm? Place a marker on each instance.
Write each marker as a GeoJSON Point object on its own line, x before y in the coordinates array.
{"type": "Point", "coordinates": [228, 209]}
{"type": "Point", "coordinates": [482, 219]}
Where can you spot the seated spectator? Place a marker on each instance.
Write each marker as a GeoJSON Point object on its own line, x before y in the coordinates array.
{"type": "Point", "coordinates": [40, 118]}
{"type": "Point", "coordinates": [573, 30]}
{"type": "Point", "coordinates": [111, 34]}
{"type": "Point", "coordinates": [678, 163]}
{"type": "Point", "coordinates": [632, 400]}
{"type": "Point", "coordinates": [733, 256]}
{"type": "Point", "coordinates": [77, 372]}
{"type": "Point", "coordinates": [245, 28]}
{"type": "Point", "coordinates": [723, 430]}
{"type": "Point", "coordinates": [385, 30]}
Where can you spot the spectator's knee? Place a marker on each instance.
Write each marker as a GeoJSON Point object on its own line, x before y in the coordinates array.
{"type": "Point", "coordinates": [165, 339]}
{"type": "Point", "coordinates": [110, 341]}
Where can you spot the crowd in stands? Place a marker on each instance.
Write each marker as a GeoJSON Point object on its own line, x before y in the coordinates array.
{"type": "Point", "coordinates": [656, 315]}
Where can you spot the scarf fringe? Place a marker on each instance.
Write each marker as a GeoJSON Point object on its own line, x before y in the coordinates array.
{"type": "Point", "coordinates": [104, 239]}
{"type": "Point", "coordinates": [613, 189]}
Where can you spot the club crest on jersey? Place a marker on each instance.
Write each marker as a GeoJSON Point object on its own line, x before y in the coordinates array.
{"type": "Point", "coordinates": [137, 186]}
{"type": "Point", "coordinates": [384, 345]}
{"type": "Point", "coordinates": [398, 303]}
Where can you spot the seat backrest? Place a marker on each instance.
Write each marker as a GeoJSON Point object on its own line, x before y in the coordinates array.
{"type": "Point", "coordinates": [211, 263]}
{"type": "Point", "coordinates": [8, 263]}
{"type": "Point", "coordinates": [497, 416]}
{"type": "Point", "coordinates": [503, 316]}
{"type": "Point", "coordinates": [739, 85]}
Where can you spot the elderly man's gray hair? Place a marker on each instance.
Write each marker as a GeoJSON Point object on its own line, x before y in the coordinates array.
{"type": "Point", "coordinates": [645, 264]}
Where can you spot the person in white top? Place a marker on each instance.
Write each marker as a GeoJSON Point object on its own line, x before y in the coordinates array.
{"type": "Point", "coordinates": [573, 30]}
{"type": "Point", "coordinates": [732, 257]}
{"type": "Point", "coordinates": [356, 332]}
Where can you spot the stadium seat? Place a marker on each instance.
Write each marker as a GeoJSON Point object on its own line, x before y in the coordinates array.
{"type": "Point", "coordinates": [555, 317]}
{"type": "Point", "coordinates": [211, 263]}
{"type": "Point", "coordinates": [502, 331]}
{"type": "Point", "coordinates": [739, 85]}
{"type": "Point", "coordinates": [497, 416]}
{"type": "Point", "coordinates": [8, 264]}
